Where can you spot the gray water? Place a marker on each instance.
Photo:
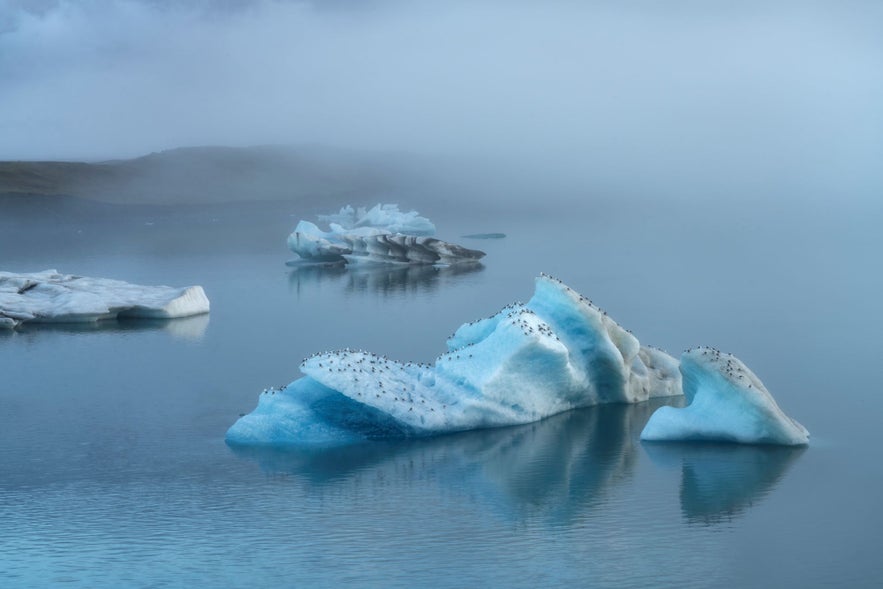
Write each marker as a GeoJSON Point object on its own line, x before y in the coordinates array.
{"type": "Point", "coordinates": [114, 471]}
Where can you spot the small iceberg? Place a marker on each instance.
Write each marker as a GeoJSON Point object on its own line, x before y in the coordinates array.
{"type": "Point", "coordinates": [529, 361]}
{"type": "Point", "coordinates": [377, 236]}
{"type": "Point", "coordinates": [50, 297]}
{"type": "Point", "coordinates": [726, 402]}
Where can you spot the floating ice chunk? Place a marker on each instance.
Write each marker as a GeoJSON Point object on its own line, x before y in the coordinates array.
{"type": "Point", "coordinates": [726, 402]}
{"type": "Point", "coordinates": [527, 362]}
{"type": "Point", "coordinates": [381, 216]}
{"type": "Point", "coordinates": [382, 235]}
{"type": "Point", "coordinates": [44, 297]}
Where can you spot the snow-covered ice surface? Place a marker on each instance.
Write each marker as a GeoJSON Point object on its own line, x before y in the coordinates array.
{"type": "Point", "coordinates": [726, 402]}
{"type": "Point", "coordinates": [529, 361]}
{"type": "Point", "coordinates": [380, 235]}
{"type": "Point", "coordinates": [50, 297]}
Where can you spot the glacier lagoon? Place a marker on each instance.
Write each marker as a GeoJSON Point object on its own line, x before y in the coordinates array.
{"type": "Point", "coordinates": [115, 470]}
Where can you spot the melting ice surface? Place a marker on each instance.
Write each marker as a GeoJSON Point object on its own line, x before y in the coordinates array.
{"type": "Point", "coordinates": [529, 361]}
{"type": "Point", "coordinates": [50, 297]}
{"type": "Point", "coordinates": [726, 402]}
{"type": "Point", "coordinates": [380, 235]}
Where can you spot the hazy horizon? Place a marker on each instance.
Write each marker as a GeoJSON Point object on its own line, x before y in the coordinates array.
{"type": "Point", "coordinates": [767, 90]}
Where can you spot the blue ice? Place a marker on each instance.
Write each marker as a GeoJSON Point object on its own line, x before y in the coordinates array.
{"type": "Point", "coordinates": [726, 403]}
{"type": "Point", "coordinates": [529, 361]}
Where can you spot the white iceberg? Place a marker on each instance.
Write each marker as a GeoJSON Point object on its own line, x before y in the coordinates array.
{"type": "Point", "coordinates": [381, 235]}
{"type": "Point", "coordinates": [726, 402]}
{"type": "Point", "coordinates": [529, 361]}
{"type": "Point", "coordinates": [50, 297]}
{"type": "Point", "coordinates": [386, 217]}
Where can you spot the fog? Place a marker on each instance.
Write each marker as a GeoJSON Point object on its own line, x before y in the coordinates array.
{"type": "Point", "coordinates": [687, 94]}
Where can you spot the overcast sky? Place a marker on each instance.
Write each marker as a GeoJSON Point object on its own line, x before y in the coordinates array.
{"type": "Point", "coordinates": [619, 84]}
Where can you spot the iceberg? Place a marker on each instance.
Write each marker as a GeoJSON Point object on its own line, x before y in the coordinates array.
{"type": "Point", "coordinates": [726, 402]}
{"type": "Point", "coordinates": [50, 297]}
{"type": "Point", "coordinates": [529, 361]}
{"type": "Point", "coordinates": [381, 235]}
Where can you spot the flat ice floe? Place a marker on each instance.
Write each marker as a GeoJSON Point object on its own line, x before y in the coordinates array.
{"type": "Point", "coordinates": [380, 235]}
{"type": "Point", "coordinates": [726, 403]}
{"type": "Point", "coordinates": [50, 297]}
{"type": "Point", "coordinates": [529, 361]}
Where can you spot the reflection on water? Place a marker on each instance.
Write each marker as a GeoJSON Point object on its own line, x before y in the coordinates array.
{"type": "Point", "coordinates": [384, 280]}
{"type": "Point", "coordinates": [555, 469]}
{"type": "Point", "coordinates": [188, 328]}
{"type": "Point", "coordinates": [721, 481]}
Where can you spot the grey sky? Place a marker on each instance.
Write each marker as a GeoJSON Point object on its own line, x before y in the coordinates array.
{"type": "Point", "coordinates": [612, 85]}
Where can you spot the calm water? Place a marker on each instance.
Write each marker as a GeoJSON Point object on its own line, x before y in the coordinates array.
{"type": "Point", "coordinates": [114, 472]}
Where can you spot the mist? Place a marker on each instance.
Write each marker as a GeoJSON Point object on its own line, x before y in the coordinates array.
{"type": "Point", "coordinates": [682, 96]}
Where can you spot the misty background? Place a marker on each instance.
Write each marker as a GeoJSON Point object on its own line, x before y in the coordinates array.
{"type": "Point", "coordinates": [681, 99]}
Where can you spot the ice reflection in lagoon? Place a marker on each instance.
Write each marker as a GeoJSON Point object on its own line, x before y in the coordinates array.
{"type": "Point", "coordinates": [721, 481]}
{"type": "Point", "coordinates": [188, 328]}
{"type": "Point", "coordinates": [381, 279]}
{"type": "Point", "coordinates": [554, 469]}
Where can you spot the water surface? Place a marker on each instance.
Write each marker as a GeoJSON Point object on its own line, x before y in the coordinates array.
{"type": "Point", "coordinates": [114, 472]}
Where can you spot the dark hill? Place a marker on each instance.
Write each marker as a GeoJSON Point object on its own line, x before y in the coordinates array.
{"type": "Point", "coordinates": [198, 175]}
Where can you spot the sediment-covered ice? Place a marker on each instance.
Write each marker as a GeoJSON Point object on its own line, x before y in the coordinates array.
{"type": "Point", "coordinates": [381, 235]}
{"type": "Point", "coordinates": [726, 402]}
{"type": "Point", "coordinates": [529, 361]}
{"type": "Point", "coordinates": [50, 297]}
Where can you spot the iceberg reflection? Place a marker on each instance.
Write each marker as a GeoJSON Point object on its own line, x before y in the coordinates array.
{"type": "Point", "coordinates": [189, 328]}
{"type": "Point", "coordinates": [554, 469]}
{"type": "Point", "coordinates": [721, 481]}
{"type": "Point", "coordinates": [384, 280]}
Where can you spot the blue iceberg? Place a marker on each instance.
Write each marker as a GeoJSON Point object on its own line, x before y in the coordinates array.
{"type": "Point", "coordinates": [726, 403]}
{"type": "Point", "coordinates": [529, 361]}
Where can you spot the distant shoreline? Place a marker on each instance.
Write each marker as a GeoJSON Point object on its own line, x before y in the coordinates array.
{"type": "Point", "coordinates": [203, 175]}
